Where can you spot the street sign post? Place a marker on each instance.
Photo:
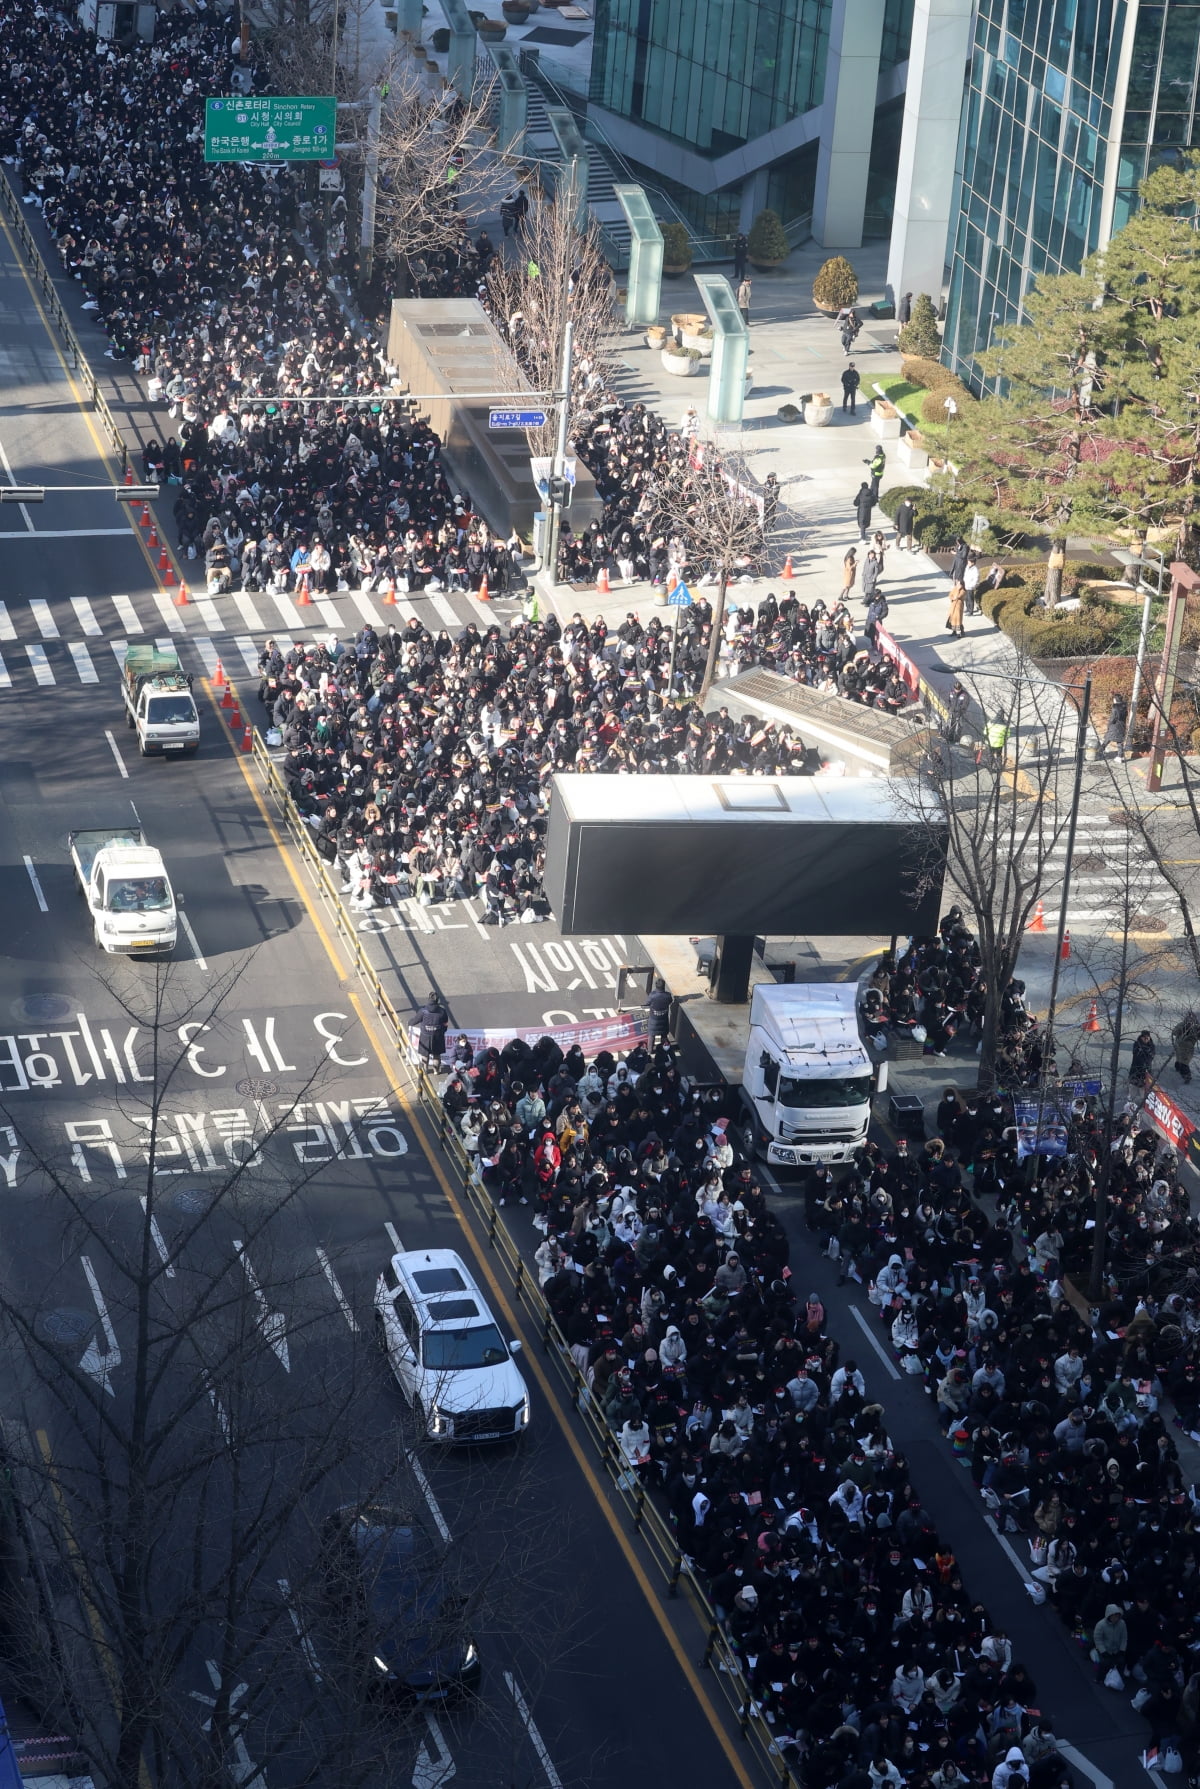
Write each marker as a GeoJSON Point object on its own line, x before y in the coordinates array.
{"type": "Point", "coordinates": [262, 129]}
{"type": "Point", "coordinates": [516, 419]}
{"type": "Point", "coordinates": [679, 598]}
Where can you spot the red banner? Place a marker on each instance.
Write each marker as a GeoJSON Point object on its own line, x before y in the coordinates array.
{"type": "Point", "coordinates": [1168, 1120]}
{"type": "Point", "coordinates": [909, 674]}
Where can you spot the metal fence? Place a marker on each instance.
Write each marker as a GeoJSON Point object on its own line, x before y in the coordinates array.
{"type": "Point", "coordinates": [655, 1534]}
{"type": "Point", "coordinates": [40, 274]}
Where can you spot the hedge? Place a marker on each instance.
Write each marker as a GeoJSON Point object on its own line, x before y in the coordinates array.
{"type": "Point", "coordinates": [931, 374]}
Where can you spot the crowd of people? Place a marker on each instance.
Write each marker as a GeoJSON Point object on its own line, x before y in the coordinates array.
{"type": "Point", "coordinates": [728, 1396]}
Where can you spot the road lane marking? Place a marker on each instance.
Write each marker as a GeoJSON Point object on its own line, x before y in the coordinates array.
{"type": "Point", "coordinates": [889, 1364]}
{"type": "Point", "coordinates": [292, 617]}
{"type": "Point", "coordinates": [127, 615]}
{"type": "Point", "coordinates": [245, 646]}
{"type": "Point", "coordinates": [156, 1236]}
{"type": "Point", "coordinates": [8, 627]}
{"type": "Point", "coordinates": [85, 615]}
{"type": "Point", "coordinates": [395, 1241]}
{"type": "Point", "coordinates": [186, 923]}
{"type": "Point", "coordinates": [306, 1645]}
{"type": "Point", "coordinates": [445, 610]}
{"type": "Point", "coordinates": [112, 746]}
{"type": "Point", "coordinates": [208, 653]}
{"type": "Point", "coordinates": [28, 519]}
{"type": "Point", "coordinates": [365, 607]}
{"type": "Point", "coordinates": [83, 662]}
{"type": "Point", "coordinates": [208, 614]}
{"type": "Point", "coordinates": [41, 665]}
{"type": "Point", "coordinates": [101, 1366]}
{"type": "Point", "coordinates": [343, 1303]}
{"type": "Point", "coordinates": [5, 678]}
{"type": "Point", "coordinates": [37, 887]}
{"type": "Point", "coordinates": [249, 614]}
{"type": "Point", "coordinates": [47, 626]}
{"type": "Point", "coordinates": [328, 612]}
{"type": "Point", "coordinates": [221, 1414]}
{"type": "Point", "coordinates": [435, 1508]}
{"type": "Point", "coordinates": [272, 1325]}
{"type": "Point", "coordinates": [430, 1772]}
{"type": "Point", "coordinates": [169, 613]}
{"type": "Point", "coordinates": [538, 1743]}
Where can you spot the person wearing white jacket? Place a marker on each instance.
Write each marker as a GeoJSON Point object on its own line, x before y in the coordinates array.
{"type": "Point", "coordinates": [1012, 1772]}
{"type": "Point", "coordinates": [908, 1686]}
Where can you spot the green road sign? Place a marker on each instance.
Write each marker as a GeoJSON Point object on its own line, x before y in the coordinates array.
{"type": "Point", "coordinates": [269, 130]}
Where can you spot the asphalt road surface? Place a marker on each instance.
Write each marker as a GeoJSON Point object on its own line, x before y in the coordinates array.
{"type": "Point", "coordinates": [284, 1164]}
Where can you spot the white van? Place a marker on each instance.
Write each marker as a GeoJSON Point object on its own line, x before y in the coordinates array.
{"type": "Point", "coordinates": [446, 1351]}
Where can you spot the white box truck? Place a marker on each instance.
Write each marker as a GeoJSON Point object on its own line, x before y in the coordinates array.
{"type": "Point", "coordinates": [807, 1079]}
{"type": "Point", "coordinates": [126, 886]}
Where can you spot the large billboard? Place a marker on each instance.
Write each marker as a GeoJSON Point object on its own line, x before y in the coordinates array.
{"type": "Point", "coordinates": [749, 855]}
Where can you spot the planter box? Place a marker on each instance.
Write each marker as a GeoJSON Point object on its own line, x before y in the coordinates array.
{"type": "Point", "coordinates": [818, 416]}
{"type": "Point", "coordinates": [886, 425]}
{"type": "Point", "coordinates": [702, 343]}
{"type": "Point", "coordinates": [681, 365]}
{"type": "Point", "coordinates": [910, 453]}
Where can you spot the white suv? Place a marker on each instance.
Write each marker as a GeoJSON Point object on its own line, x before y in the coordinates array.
{"type": "Point", "coordinates": [446, 1351]}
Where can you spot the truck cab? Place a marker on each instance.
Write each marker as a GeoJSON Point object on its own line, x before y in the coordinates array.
{"type": "Point", "coordinates": [807, 1079]}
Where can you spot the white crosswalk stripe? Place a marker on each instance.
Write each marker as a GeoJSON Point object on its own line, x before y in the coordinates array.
{"type": "Point", "coordinates": [208, 654]}
{"type": "Point", "coordinates": [248, 612]}
{"type": "Point", "coordinates": [86, 615]}
{"type": "Point", "coordinates": [168, 612]}
{"type": "Point", "coordinates": [445, 609]}
{"type": "Point", "coordinates": [249, 653]}
{"type": "Point", "coordinates": [206, 608]}
{"type": "Point", "coordinates": [119, 648]}
{"type": "Point", "coordinates": [5, 678]}
{"type": "Point", "coordinates": [127, 615]}
{"type": "Point", "coordinates": [328, 612]}
{"type": "Point", "coordinates": [365, 606]}
{"type": "Point", "coordinates": [7, 627]}
{"type": "Point", "coordinates": [46, 624]}
{"type": "Point", "coordinates": [292, 617]}
{"type": "Point", "coordinates": [41, 664]}
{"type": "Point", "coordinates": [83, 662]}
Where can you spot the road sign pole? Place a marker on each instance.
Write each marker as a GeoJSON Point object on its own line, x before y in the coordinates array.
{"type": "Point", "coordinates": [366, 258]}
{"type": "Point", "coordinates": [554, 520]}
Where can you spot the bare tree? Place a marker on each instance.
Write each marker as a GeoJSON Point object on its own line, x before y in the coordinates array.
{"type": "Point", "coordinates": [553, 274]}
{"type": "Point", "coordinates": [997, 820]}
{"type": "Point", "coordinates": [435, 156]}
{"type": "Point", "coordinates": [223, 1407]}
{"type": "Point", "coordinates": [710, 504]}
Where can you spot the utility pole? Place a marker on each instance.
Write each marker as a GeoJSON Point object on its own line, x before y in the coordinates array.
{"type": "Point", "coordinates": [557, 483]}
{"type": "Point", "coordinates": [366, 241]}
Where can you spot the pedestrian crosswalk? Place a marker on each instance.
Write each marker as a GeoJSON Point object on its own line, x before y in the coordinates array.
{"type": "Point", "coordinates": [1112, 876]}
{"type": "Point", "coordinates": [61, 642]}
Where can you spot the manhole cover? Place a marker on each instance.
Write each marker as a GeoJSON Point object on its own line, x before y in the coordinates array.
{"type": "Point", "coordinates": [38, 1008]}
{"type": "Point", "coordinates": [65, 1325]}
{"type": "Point", "coordinates": [192, 1198]}
{"type": "Point", "coordinates": [252, 1089]}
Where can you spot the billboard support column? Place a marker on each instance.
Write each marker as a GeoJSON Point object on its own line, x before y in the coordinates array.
{"type": "Point", "coordinates": [732, 962]}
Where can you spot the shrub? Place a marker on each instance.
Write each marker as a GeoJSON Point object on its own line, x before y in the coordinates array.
{"type": "Point", "coordinates": [440, 39]}
{"type": "Point", "coordinates": [933, 404]}
{"type": "Point", "coordinates": [920, 334]}
{"type": "Point", "coordinates": [836, 284]}
{"type": "Point", "coordinates": [890, 500]}
{"type": "Point", "coordinates": [927, 373]}
{"type": "Point", "coordinates": [677, 247]}
{"type": "Point", "coordinates": [767, 241]}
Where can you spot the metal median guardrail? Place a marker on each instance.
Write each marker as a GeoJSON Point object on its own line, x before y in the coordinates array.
{"type": "Point", "coordinates": [41, 274]}
{"type": "Point", "coordinates": [645, 1517]}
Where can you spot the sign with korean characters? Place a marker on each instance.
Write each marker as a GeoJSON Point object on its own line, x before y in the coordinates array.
{"type": "Point", "coordinates": [259, 128]}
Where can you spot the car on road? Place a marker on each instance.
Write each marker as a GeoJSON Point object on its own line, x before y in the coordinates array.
{"type": "Point", "coordinates": [404, 1622]}
{"type": "Point", "coordinates": [446, 1351]}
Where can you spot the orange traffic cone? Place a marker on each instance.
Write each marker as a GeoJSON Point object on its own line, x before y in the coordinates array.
{"type": "Point", "coordinates": [303, 599]}
{"type": "Point", "coordinates": [145, 521]}
{"type": "Point", "coordinates": [672, 580]}
{"type": "Point", "coordinates": [129, 475]}
{"type": "Point", "coordinates": [163, 561]}
{"type": "Point", "coordinates": [483, 590]}
{"type": "Point", "coordinates": [227, 698]}
{"type": "Point", "coordinates": [248, 738]}
{"type": "Point", "coordinates": [603, 587]}
{"type": "Point", "coordinates": [168, 574]}
{"type": "Point", "coordinates": [389, 595]}
{"type": "Point", "coordinates": [1092, 1022]}
{"type": "Point", "coordinates": [219, 676]}
{"type": "Point", "coordinates": [152, 537]}
{"type": "Point", "coordinates": [1065, 950]}
{"type": "Point", "coordinates": [235, 719]}
{"type": "Point", "coordinates": [787, 571]}
{"type": "Point", "coordinates": [1038, 922]}
{"type": "Point", "coordinates": [183, 599]}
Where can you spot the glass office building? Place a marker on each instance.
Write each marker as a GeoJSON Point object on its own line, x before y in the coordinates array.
{"type": "Point", "coordinates": [1069, 104]}
{"type": "Point", "coordinates": [738, 85]}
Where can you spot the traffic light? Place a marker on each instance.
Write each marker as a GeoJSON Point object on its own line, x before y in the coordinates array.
{"type": "Point", "coordinates": [559, 491]}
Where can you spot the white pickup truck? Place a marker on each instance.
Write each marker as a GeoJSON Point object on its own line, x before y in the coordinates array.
{"type": "Point", "coordinates": [159, 702]}
{"type": "Point", "coordinates": [126, 886]}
